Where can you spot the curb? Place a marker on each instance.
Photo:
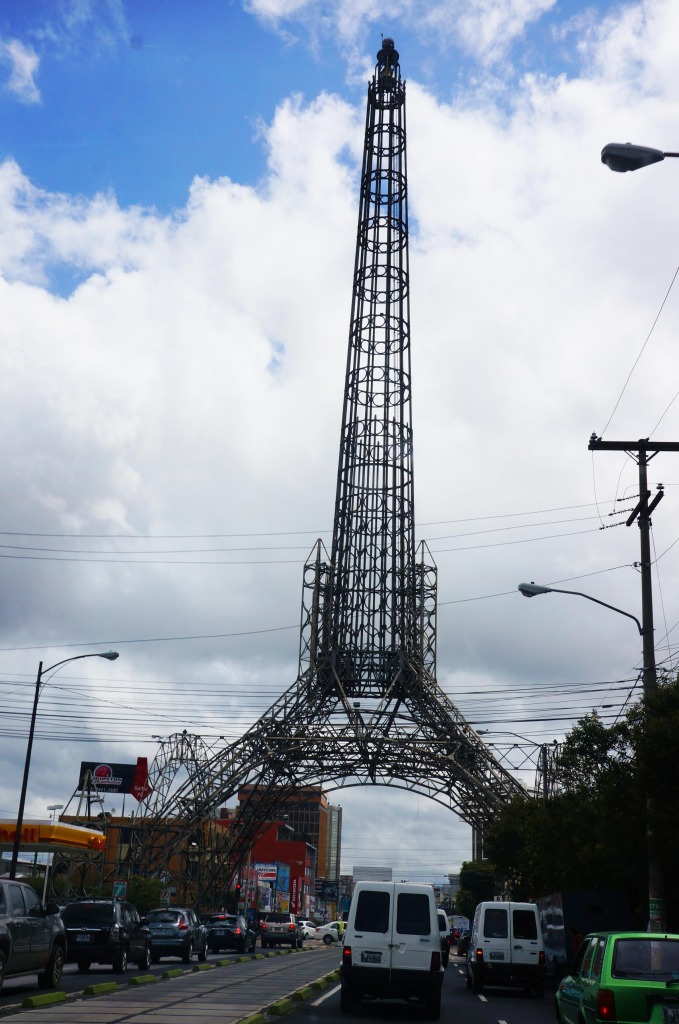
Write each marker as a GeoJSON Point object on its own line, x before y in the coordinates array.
{"type": "Point", "coordinates": [143, 979]}
{"type": "Point", "coordinates": [101, 988]}
{"type": "Point", "coordinates": [45, 999]}
{"type": "Point", "coordinates": [203, 967]}
{"type": "Point", "coordinates": [280, 1007]}
{"type": "Point", "coordinates": [173, 972]}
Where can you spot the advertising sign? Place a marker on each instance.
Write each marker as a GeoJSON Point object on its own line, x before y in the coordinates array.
{"type": "Point", "coordinates": [267, 872]}
{"type": "Point", "coordinates": [111, 777]}
{"type": "Point", "coordinates": [283, 877]}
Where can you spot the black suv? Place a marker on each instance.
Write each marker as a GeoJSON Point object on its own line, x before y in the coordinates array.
{"type": "Point", "coordinates": [32, 937]}
{"type": "Point", "coordinates": [230, 931]}
{"type": "Point", "coordinates": [106, 932]}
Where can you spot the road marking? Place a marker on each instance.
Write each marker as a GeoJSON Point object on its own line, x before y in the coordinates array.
{"type": "Point", "coordinates": [317, 1002]}
{"type": "Point", "coordinates": [483, 999]}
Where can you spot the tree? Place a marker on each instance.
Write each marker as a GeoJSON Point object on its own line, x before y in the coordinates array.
{"type": "Point", "coordinates": [477, 883]}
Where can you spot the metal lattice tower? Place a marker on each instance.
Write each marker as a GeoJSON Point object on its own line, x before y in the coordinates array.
{"type": "Point", "coordinates": [366, 707]}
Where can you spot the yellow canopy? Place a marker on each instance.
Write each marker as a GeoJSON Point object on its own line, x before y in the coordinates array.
{"type": "Point", "coordinates": [50, 836]}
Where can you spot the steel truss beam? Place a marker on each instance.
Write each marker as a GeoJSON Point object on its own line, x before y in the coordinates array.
{"type": "Point", "coordinates": [366, 708]}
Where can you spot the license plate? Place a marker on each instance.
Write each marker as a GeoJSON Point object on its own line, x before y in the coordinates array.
{"type": "Point", "coordinates": [83, 938]}
{"type": "Point", "coordinates": [368, 957]}
{"type": "Point", "coordinates": [220, 931]}
{"type": "Point", "coordinates": [494, 955]}
{"type": "Point", "coordinates": [670, 1014]}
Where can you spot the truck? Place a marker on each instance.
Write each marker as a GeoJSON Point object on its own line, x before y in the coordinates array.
{"type": "Point", "coordinates": [583, 911]}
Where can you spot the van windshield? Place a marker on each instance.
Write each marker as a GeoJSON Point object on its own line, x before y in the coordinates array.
{"type": "Point", "coordinates": [372, 911]}
{"type": "Point", "coordinates": [412, 914]}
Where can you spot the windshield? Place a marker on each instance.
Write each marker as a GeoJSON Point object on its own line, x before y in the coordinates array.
{"type": "Point", "coordinates": [222, 919]}
{"type": "Point", "coordinates": [98, 915]}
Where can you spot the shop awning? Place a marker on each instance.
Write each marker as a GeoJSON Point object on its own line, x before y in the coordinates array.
{"type": "Point", "coordinates": [51, 836]}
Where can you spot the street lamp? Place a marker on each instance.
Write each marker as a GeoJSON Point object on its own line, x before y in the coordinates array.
{"type": "Point", "coordinates": [656, 903]}
{"type": "Point", "coordinates": [54, 807]}
{"type": "Point", "coordinates": [110, 656]}
{"type": "Point", "coordinates": [624, 156]}
{"type": "Point", "coordinates": [533, 589]}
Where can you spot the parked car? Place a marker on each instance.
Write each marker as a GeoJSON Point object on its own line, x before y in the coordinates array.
{"type": "Point", "coordinates": [623, 976]}
{"type": "Point", "coordinates": [32, 937]}
{"type": "Point", "coordinates": [230, 931]}
{"type": "Point", "coordinates": [329, 933]}
{"type": "Point", "coordinates": [308, 928]}
{"type": "Point", "coordinates": [463, 942]}
{"type": "Point", "coordinates": [282, 929]}
{"type": "Point", "coordinates": [176, 931]}
{"type": "Point", "coordinates": [106, 932]}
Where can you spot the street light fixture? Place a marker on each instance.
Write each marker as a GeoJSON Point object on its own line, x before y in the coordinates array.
{"type": "Point", "coordinates": [533, 589]}
{"type": "Point", "coordinates": [624, 156]}
{"type": "Point", "coordinates": [54, 807]}
{"type": "Point", "coordinates": [110, 656]}
{"type": "Point", "coordinates": [656, 905]}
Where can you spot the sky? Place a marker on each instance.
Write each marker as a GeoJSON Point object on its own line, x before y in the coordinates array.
{"type": "Point", "coordinates": [178, 201]}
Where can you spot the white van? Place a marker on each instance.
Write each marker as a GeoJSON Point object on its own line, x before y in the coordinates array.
{"type": "Point", "coordinates": [506, 947]}
{"type": "Point", "coordinates": [392, 947]}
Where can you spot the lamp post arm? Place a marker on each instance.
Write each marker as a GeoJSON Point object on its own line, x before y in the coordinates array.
{"type": "Point", "coordinates": [579, 593]}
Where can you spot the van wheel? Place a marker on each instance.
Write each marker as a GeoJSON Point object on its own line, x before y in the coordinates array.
{"type": "Point", "coordinates": [468, 977]}
{"type": "Point", "coordinates": [477, 984]}
{"type": "Point", "coordinates": [346, 1002]}
{"type": "Point", "coordinates": [539, 991]}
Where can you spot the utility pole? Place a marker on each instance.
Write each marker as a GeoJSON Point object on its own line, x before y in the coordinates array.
{"type": "Point", "coordinates": [643, 451]}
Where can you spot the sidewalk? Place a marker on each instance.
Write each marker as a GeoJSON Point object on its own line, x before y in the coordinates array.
{"type": "Point", "coordinates": [220, 993]}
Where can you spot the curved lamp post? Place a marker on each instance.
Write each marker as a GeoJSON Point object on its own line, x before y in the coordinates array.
{"type": "Point", "coordinates": [533, 589]}
{"type": "Point", "coordinates": [656, 904]}
{"type": "Point", "coordinates": [110, 656]}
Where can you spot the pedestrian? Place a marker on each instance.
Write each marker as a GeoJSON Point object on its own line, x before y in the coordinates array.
{"type": "Point", "coordinates": [340, 931]}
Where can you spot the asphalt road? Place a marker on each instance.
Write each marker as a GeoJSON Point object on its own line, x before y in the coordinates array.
{"type": "Point", "coordinates": [458, 1005]}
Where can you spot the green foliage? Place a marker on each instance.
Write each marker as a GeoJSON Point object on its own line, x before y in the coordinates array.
{"type": "Point", "coordinates": [145, 893]}
{"type": "Point", "coordinates": [477, 883]}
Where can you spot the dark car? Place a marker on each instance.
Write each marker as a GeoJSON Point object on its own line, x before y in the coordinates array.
{"type": "Point", "coordinates": [444, 929]}
{"type": "Point", "coordinates": [230, 931]}
{"type": "Point", "coordinates": [32, 937]}
{"type": "Point", "coordinates": [463, 942]}
{"type": "Point", "coordinates": [176, 931]}
{"type": "Point", "coordinates": [106, 932]}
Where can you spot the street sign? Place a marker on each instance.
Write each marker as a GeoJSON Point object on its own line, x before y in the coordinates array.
{"type": "Point", "coordinates": [120, 889]}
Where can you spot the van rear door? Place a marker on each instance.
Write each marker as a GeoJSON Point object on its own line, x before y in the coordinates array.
{"type": "Point", "coordinates": [371, 941]}
{"type": "Point", "coordinates": [524, 935]}
{"type": "Point", "coordinates": [415, 934]}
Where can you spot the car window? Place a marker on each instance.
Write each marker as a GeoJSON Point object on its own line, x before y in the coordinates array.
{"type": "Point", "coordinates": [495, 924]}
{"type": "Point", "coordinates": [279, 918]}
{"type": "Point", "coordinates": [96, 915]}
{"type": "Point", "coordinates": [646, 958]}
{"type": "Point", "coordinates": [590, 948]}
{"type": "Point", "coordinates": [372, 911]}
{"type": "Point", "coordinates": [524, 923]}
{"type": "Point", "coordinates": [598, 958]}
{"type": "Point", "coordinates": [412, 913]}
{"type": "Point", "coordinates": [33, 904]}
{"type": "Point", "coordinates": [163, 916]}
{"type": "Point", "coordinates": [443, 922]}
{"type": "Point", "coordinates": [3, 905]}
{"type": "Point", "coordinates": [16, 898]}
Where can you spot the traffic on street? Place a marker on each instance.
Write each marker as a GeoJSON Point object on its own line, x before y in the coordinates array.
{"type": "Point", "coordinates": [253, 983]}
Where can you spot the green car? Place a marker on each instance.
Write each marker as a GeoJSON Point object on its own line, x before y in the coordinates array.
{"type": "Point", "coordinates": [626, 977]}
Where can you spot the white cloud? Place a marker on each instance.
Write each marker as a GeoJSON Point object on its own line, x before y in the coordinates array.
{"type": "Point", "coordinates": [23, 65]}
{"type": "Point", "coordinates": [191, 385]}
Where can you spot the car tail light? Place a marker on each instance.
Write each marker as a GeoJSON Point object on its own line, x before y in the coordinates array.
{"type": "Point", "coordinates": [115, 929]}
{"type": "Point", "coordinates": [291, 927]}
{"type": "Point", "coordinates": [435, 961]}
{"type": "Point", "coordinates": [346, 954]}
{"type": "Point", "coordinates": [236, 931]}
{"type": "Point", "coordinates": [605, 1005]}
{"type": "Point", "coordinates": [541, 958]}
{"type": "Point", "coordinates": [183, 926]}
{"type": "Point", "coordinates": [479, 955]}
{"type": "Point", "coordinates": [263, 926]}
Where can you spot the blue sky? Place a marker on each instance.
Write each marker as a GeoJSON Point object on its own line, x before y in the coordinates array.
{"type": "Point", "coordinates": [178, 198]}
